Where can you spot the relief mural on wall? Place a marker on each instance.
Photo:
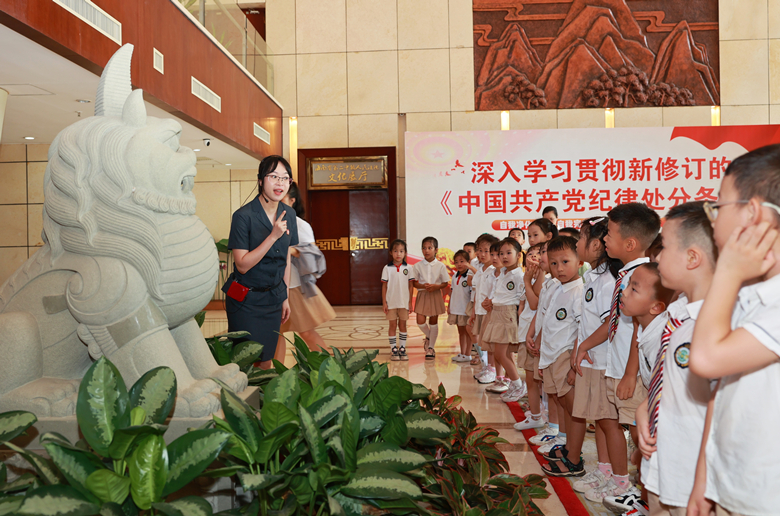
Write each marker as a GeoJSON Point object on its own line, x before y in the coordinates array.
{"type": "Point", "coordinates": [558, 54]}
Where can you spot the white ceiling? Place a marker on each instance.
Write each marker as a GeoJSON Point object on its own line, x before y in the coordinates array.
{"type": "Point", "coordinates": [44, 88]}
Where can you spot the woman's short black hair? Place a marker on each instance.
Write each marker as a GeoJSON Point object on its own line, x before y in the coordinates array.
{"type": "Point", "coordinates": [269, 165]}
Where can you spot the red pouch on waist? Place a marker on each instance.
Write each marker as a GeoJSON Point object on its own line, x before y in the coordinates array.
{"type": "Point", "coordinates": [237, 291]}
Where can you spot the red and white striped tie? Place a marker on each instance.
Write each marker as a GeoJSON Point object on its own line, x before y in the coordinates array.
{"type": "Point", "coordinates": [614, 309]}
{"type": "Point", "coordinates": [657, 380]}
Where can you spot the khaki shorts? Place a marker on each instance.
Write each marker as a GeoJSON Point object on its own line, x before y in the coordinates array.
{"type": "Point", "coordinates": [479, 323]}
{"type": "Point", "coordinates": [657, 508]}
{"type": "Point", "coordinates": [470, 309]}
{"type": "Point", "coordinates": [531, 364]}
{"type": "Point", "coordinates": [590, 396]}
{"type": "Point", "coordinates": [626, 408]}
{"type": "Point", "coordinates": [401, 314]}
{"type": "Point", "coordinates": [555, 375]}
{"type": "Point", "coordinates": [457, 320]}
{"type": "Point", "coordinates": [722, 511]}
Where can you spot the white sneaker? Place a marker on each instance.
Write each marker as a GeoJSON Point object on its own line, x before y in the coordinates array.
{"type": "Point", "coordinates": [461, 358]}
{"type": "Point", "coordinates": [546, 435]}
{"type": "Point", "coordinates": [488, 377]}
{"type": "Point", "coordinates": [501, 386]}
{"type": "Point", "coordinates": [590, 481]}
{"type": "Point", "coordinates": [514, 393]}
{"type": "Point", "coordinates": [545, 448]}
{"type": "Point", "coordinates": [610, 488]}
{"type": "Point", "coordinates": [624, 502]}
{"type": "Point", "coordinates": [529, 423]}
{"type": "Point", "coordinates": [640, 509]}
{"type": "Point", "coordinates": [482, 371]}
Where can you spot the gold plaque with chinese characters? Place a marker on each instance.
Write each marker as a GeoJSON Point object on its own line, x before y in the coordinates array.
{"type": "Point", "coordinates": [347, 173]}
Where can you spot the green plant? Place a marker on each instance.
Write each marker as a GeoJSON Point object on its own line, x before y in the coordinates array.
{"type": "Point", "coordinates": [122, 465]}
{"type": "Point", "coordinates": [332, 436]}
{"type": "Point", "coordinates": [226, 351]}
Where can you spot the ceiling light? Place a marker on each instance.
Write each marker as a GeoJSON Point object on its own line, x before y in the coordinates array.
{"type": "Point", "coordinates": [196, 150]}
{"type": "Point", "coordinates": [83, 101]}
{"type": "Point", "coordinates": [29, 137]}
{"type": "Point", "coordinates": [228, 164]}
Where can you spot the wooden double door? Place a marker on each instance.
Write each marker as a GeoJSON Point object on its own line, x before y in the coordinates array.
{"type": "Point", "coordinates": [353, 229]}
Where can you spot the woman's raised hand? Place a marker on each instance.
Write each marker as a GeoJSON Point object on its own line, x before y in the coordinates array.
{"type": "Point", "coordinates": [280, 226]}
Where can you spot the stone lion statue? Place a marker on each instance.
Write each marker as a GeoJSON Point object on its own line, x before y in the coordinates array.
{"type": "Point", "coordinates": [125, 267]}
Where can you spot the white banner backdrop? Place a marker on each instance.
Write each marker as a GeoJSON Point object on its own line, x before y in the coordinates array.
{"type": "Point", "coordinates": [462, 184]}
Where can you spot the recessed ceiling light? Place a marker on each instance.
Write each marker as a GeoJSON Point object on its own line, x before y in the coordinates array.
{"type": "Point", "coordinates": [196, 150]}
{"type": "Point", "coordinates": [83, 101]}
{"type": "Point", "coordinates": [29, 137]}
{"type": "Point", "coordinates": [228, 164]}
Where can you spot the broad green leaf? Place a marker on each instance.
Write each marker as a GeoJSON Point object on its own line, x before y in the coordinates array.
{"type": "Point", "coordinates": [257, 482]}
{"type": "Point", "coordinates": [124, 438]}
{"type": "Point", "coordinates": [102, 405]}
{"type": "Point", "coordinates": [423, 425]}
{"type": "Point", "coordinates": [10, 504]}
{"type": "Point", "coordinates": [280, 367]}
{"type": "Point", "coordinates": [187, 506]}
{"type": "Point", "coordinates": [360, 386]}
{"type": "Point", "coordinates": [349, 441]}
{"type": "Point", "coordinates": [14, 423]}
{"type": "Point", "coordinates": [112, 509]}
{"type": "Point", "coordinates": [221, 355]}
{"type": "Point", "coordinates": [394, 430]}
{"type": "Point", "coordinates": [370, 424]}
{"type": "Point", "coordinates": [200, 318]}
{"type": "Point", "coordinates": [331, 370]}
{"type": "Point", "coordinates": [3, 473]}
{"type": "Point", "coordinates": [23, 482]}
{"type": "Point", "coordinates": [239, 449]}
{"type": "Point", "coordinates": [148, 471]}
{"type": "Point", "coordinates": [190, 454]}
{"type": "Point", "coordinates": [350, 506]}
{"type": "Point", "coordinates": [388, 456]}
{"type": "Point", "coordinates": [301, 347]}
{"type": "Point", "coordinates": [272, 441]}
{"type": "Point", "coordinates": [337, 355]}
{"type": "Point", "coordinates": [382, 484]}
{"type": "Point", "coordinates": [56, 501]}
{"type": "Point", "coordinates": [57, 438]}
{"type": "Point", "coordinates": [274, 414]}
{"type": "Point", "coordinates": [284, 389]}
{"type": "Point", "coordinates": [246, 353]}
{"type": "Point", "coordinates": [389, 394]}
{"type": "Point", "coordinates": [334, 443]}
{"type": "Point", "coordinates": [42, 466]}
{"type": "Point", "coordinates": [327, 408]}
{"type": "Point", "coordinates": [311, 433]}
{"type": "Point", "coordinates": [316, 360]}
{"type": "Point", "coordinates": [420, 391]}
{"type": "Point", "coordinates": [75, 466]}
{"type": "Point", "coordinates": [155, 392]}
{"type": "Point", "coordinates": [228, 471]}
{"type": "Point", "coordinates": [108, 486]}
{"type": "Point", "coordinates": [314, 378]}
{"type": "Point", "coordinates": [357, 361]}
{"type": "Point", "coordinates": [241, 417]}
{"type": "Point", "coordinates": [262, 375]}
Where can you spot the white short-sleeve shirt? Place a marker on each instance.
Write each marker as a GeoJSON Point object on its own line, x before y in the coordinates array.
{"type": "Point", "coordinates": [481, 286]}
{"type": "Point", "coordinates": [742, 447]}
{"type": "Point", "coordinates": [561, 318]}
{"type": "Point", "coordinates": [620, 346]}
{"type": "Point", "coordinates": [671, 469]}
{"type": "Point", "coordinates": [597, 291]}
{"type": "Point", "coordinates": [525, 317]}
{"type": "Point", "coordinates": [648, 341]}
{"type": "Point", "coordinates": [397, 278]}
{"type": "Point", "coordinates": [427, 273]}
{"type": "Point", "coordinates": [461, 294]}
{"type": "Point", "coordinates": [544, 300]}
{"type": "Point", "coordinates": [509, 287]}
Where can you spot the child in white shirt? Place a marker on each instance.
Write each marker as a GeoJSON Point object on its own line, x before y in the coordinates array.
{"type": "Point", "coordinates": [457, 310]}
{"type": "Point", "coordinates": [396, 297]}
{"type": "Point", "coordinates": [480, 287]}
{"type": "Point", "coordinates": [493, 372]}
{"type": "Point", "coordinates": [430, 277]}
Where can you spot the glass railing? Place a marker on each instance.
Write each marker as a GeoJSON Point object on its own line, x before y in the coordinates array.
{"type": "Point", "coordinates": [230, 26]}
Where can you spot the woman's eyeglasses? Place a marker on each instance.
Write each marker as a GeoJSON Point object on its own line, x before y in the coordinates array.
{"type": "Point", "coordinates": [711, 209]}
{"type": "Point", "coordinates": [279, 179]}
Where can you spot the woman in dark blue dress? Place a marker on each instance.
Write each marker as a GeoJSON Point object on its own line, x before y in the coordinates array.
{"type": "Point", "coordinates": [262, 233]}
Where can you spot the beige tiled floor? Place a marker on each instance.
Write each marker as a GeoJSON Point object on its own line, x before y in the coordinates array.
{"type": "Point", "coordinates": [366, 327]}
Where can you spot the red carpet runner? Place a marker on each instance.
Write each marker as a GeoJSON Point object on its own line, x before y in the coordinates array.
{"type": "Point", "coordinates": [571, 502]}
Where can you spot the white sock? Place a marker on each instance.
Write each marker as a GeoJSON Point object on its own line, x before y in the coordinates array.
{"type": "Point", "coordinates": [403, 339]}
{"type": "Point", "coordinates": [434, 333]}
{"type": "Point", "coordinates": [392, 341]}
{"type": "Point", "coordinates": [484, 357]}
{"type": "Point", "coordinates": [425, 329]}
{"type": "Point", "coordinates": [518, 383]}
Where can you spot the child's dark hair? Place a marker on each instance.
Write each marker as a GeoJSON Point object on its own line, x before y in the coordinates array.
{"type": "Point", "coordinates": [486, 237]}
{"type": "Point", "coordinates": [470, 244]}
{"type": "Point", "coordinates": [757, 174]}
{"type": "Point", "coordinates": [463, 254]}
{"type": "Point", "coordinates": [397, 242]}
{"type": "Point", "coordinates": [509, 235]}
{"type": "Point", "coordinates": [548, 209]}
{"type": "Point", "coordinates": [295, 195]}
{"type": "Point", "coordinates": [562, 243]}
{"type": "Point", "coordinates": [432, 240]}
{"type": "Point", "coordinates": [636, 220]}
{"type": "Point", "coordinates": [545, 226]}
{"type": "Point", "coordinates": [495, 247]}
{"type": "Point", "coordinates": [655, 248]}
{"type": "Point", "coordinates": [662, 293]}
{"type": "Point", "coordinates": [535, 247]}
{"type": "Point", "coordinates": [595, 228]}
{"type": "Point", "coordinates": [572, 232]}
{"type": "Point", "coordinates": [694, 228]}
{"type": "Point", "coordinates": [511, 242]}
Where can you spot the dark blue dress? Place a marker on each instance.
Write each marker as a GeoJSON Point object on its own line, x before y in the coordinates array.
{"type": "Point", "coordinates": [261, 311]}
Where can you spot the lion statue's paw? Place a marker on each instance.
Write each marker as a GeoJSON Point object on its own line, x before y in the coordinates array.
{"type": "Point", "coordinates": [46, 397]}
{"type": "Point", "coordinates": [232, 376]}
{"type": "Point", "coordinates": [200, 399]}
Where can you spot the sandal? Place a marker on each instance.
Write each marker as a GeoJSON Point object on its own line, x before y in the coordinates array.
{"type": "Point", "coordinates": [430, 354]}
{"type": "Point", "coordinates": [553, 469]}
{"type": "Point", "coordinates": [557, 452]}
{"type": "Point", "coordinates": [476, 361]}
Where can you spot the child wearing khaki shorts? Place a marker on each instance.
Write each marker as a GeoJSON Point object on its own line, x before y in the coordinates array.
{"type": "Point", "coordinates": [458, 308]}
{"type": "Point", "coordinates": [397, 279]}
